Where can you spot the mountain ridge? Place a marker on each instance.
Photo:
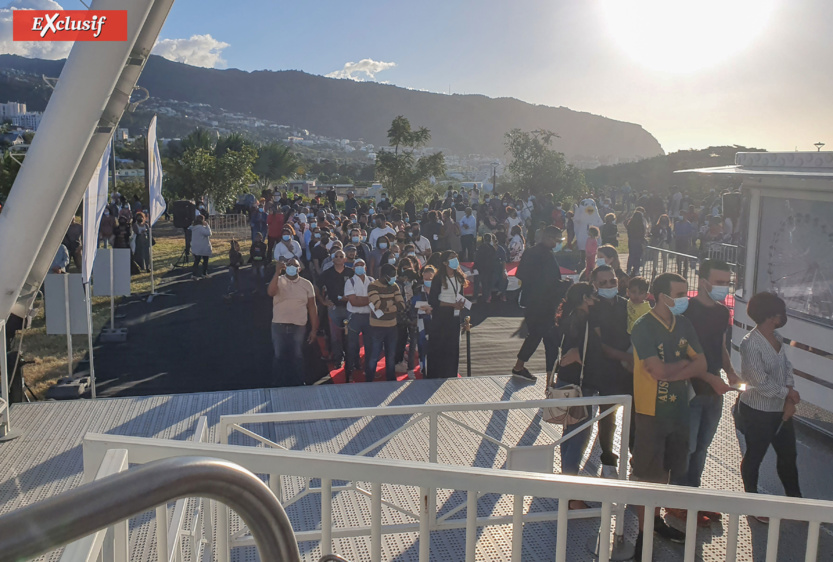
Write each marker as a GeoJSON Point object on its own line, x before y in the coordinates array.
{"type": "Point", "coordinates": [342, 108]}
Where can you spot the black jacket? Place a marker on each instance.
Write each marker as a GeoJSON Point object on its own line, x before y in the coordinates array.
{"type": "Point", "coordinates": [540, 277]}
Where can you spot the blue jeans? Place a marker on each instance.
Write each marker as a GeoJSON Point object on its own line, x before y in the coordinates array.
{"type": "Point", "coordinates": [337, 316]}
{"type": "Point", "coordinates": [705, 411]}
{"type": "Point", "coordinates": [359, 324]}
{"type": "Point", "coordinates": [572, 450]}
{"type": "Point", "coordinates": [288, 363]}
{"type": "Point", "coordinates": [386, 337]}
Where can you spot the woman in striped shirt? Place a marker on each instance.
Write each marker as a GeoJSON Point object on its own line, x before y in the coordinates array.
{"type": "Point", "coordinates": [767, 407]}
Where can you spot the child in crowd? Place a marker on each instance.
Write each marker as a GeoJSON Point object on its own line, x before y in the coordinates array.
{"type": "Point", "coordinates": [235, 262]}
{"type": "Point", "coordinates": [420, 313]}
{"type": "Point", "coordinates": [610, 232]}
{"type": "Point", "coordinates": [258, 256]}
{"type": "Point", "coordinates": [638, 305]}
{"type": "Point", "coordinates": [590, 249]}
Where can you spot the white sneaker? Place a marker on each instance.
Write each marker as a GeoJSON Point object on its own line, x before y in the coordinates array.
{"type": "Point", "coordinates": [411, 375]}
{"type": "Point", "coordinates": [609, 471]}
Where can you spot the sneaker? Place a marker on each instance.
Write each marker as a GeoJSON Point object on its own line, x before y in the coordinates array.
{"type": "Point", "coordinates": [524, 374]}
{"type": "Point", "coordinates": [411, 375]}
{"type": "Point", "coordinates": [609, 471]}
{"type": "Point", "coordinates": [401, 367]}
{"type": "Point", "coordinates": [668, 532]}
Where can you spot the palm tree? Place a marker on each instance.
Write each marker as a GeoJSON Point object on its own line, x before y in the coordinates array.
{"type": "Point", "coordinates": [274, 163]}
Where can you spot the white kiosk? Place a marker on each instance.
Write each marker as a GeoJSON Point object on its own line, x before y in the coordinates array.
{"type": "Point", "coordinates": [785, 246]}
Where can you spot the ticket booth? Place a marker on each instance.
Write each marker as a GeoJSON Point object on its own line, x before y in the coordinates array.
{"type": "Point", "coordinates": [785, 245]}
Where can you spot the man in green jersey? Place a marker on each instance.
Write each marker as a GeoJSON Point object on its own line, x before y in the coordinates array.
{"type": "Point", "coordinates": [667, 354]}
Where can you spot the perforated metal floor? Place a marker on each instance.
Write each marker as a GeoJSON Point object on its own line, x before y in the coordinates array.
{"type": "Point", "coordinates": [46, 460]}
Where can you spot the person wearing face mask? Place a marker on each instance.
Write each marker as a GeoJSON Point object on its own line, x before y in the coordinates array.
{"type": "Point", "coordinates": [391, 256]}
{"type": "Point", "coordinates": [381, 229]}
{"type": "Point", "coordinates": [666, 354]}
{"type": "Point", "coordinates": [106, 230]}
{"type": "Point", "coordinates": [609, 321]}
{"type": "Point", "coordinates": [765, 410]}
{"type": "Point", "coordinates": [420, 314]}
{"type": "Point", "coordinates": [447, 301]}
{"type": "Point", "coordinates": [362, 249]}
{"type": "Point", "coordinates": [541, 293]}
{"type": "Point", "coordinates": [288, 247]}
{"type": "Point", "coordinates": [421, 243]}
{"type": "Point", "coordinates": [386, 303]}
{"type": "Point", "coordinates": [293, 305]}
{"type": "Point", "coordinates": [710, 319]}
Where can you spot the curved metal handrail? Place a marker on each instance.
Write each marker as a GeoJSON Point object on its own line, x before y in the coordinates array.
{"type": "Point", "coordinates": [57, 521]}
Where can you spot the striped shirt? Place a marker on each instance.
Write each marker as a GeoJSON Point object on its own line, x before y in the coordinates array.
{"type": "Point", "coordinates": [768, 372]}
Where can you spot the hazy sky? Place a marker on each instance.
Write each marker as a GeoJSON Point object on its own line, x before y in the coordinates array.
{"type": "Point", "coordinates": [751, 72]}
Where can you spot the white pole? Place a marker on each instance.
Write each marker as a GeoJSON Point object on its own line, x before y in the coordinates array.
{"type": "Point", "coordinates": [5, 414]}
{"type": "Point", "coordinates": [69, 327]}
{"type": "Point", "coordinates": [90, 336]}
{"type": "Point", "coordinates": [150, 242]}
{"type": "Point", "coordinates": [112, 293]}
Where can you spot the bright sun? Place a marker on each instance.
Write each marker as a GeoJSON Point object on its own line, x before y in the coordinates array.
{"type": "Point", "coordinates": [684, 35]}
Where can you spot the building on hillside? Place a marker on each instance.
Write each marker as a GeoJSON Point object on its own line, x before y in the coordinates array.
{"type": "Point", "coordinates": [11, 109]}
{"type": "Point", "coordinates": [302, 187]}
{"type": "Point", "coordinates": [122, 134]}
{"type": "Point", "coordinates": [11, 139]}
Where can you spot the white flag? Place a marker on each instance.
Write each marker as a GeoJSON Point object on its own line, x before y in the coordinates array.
{"type": "Point", "coordinates": [157, 202]}
{"type": "Point", "coordinates": [95, 199]}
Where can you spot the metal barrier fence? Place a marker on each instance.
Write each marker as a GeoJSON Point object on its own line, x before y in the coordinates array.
{"type": "Point", "coordinates": [656, 261]}
{"type": "Point", "coordinates": [230, 226]}
{"type": "Point", "coordinates": [474, 481]}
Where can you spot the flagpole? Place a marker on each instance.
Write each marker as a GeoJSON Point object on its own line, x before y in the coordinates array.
{"type": "Point", "coordinates": [150, 243]}
{"type": "Point", "coordinates": [90, 335]}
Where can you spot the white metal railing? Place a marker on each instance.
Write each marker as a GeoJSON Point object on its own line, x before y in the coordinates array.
{"type": "Point", "coordinates": [537, 458]}
{"type": "Point", "coordinates": [473, 481]}
{"type": "Point", "coordinates": [39, 528]}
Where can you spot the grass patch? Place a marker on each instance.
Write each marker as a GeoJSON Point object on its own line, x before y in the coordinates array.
{"type": "Point", "coordinates": [48, 353]}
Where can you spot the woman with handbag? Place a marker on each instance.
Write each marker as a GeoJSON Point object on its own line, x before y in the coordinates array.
{"type": "Point", "coordinates": [575, 371]}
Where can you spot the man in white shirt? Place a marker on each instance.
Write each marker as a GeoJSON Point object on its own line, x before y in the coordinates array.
{"type": "Point", "coordinates": [287, 248]}
{"type": "Point", "coordinates": [381, 229]}
{"type": "Point", "coordinates": [358, 308]}
{"type": "Point", "coordinates": [421, 243]}
{"type": "Point", "coordinates": [468, 233]}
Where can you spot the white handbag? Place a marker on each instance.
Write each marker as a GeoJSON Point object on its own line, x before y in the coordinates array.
{"type": "Point", "coordinates": [566, 415]}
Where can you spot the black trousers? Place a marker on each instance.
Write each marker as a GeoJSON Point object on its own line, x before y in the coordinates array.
{"type": "Point", "coordinates": [443, 344]}
{"type": "Point", "coordinates": [187, 242]}
{"type": "Point", "coordinates": [467, 241]}
{"type": "Point", "coordinates": [540, 325]}
{"type": "Point", "coordinates": [761, 429]}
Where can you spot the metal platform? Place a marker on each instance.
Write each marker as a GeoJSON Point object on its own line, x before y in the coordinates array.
{"type": "Point", "coordinates": [46, 460]}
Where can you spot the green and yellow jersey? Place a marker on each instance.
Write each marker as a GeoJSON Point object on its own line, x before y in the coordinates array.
{"type": "Point", "coordinates": [651, 337]}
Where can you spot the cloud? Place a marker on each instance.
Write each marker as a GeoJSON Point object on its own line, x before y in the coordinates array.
{"type": "Point", "coordinates": [31, 49]}
{"type": "Point", "coordinates": [198, 50]}
{"type": "Point", "coordinates": [369, 67]}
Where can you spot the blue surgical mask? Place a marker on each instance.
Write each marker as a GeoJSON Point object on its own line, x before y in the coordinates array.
{"type": "Point", "coordinates": [396, 255]}
{"type": "Point", "coordinates": [427, 284]}
{"type": "Point", "coordinates": [318, 235]}
{"type": "Point", "coordinates": [557, 248]}
{"type": "Point", "coordinates": [360, 270]}
{"type": "Point", "coordinates": [600, 261]}
{"type": "Point", "coordinates": [719, 293]}
{"type": "Point", "coordinates": [286, 237]}
{"type": "Point", "coordinates": [680, 305]}
{"type": "Point", "coordinates": [383, 245]}
{"type": "Point", "coordinates": [370, 211]}
{"type": "Point", "coordinates": [392, 261]}
{"type": "Point", "coordinates": [608, 293]}
{"type": "Point", "coordinates": [291, 270]}
{"type": "Point", "coordinates": [391, 281]}
{"type": "Point", "coordinates": [453, 263]}
{"type": "Point", "coordinates": [355, 239]}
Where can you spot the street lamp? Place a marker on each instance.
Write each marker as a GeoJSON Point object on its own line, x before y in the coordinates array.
{"type": "Point", "coordinates": [818, 145]}
{"type": "Point", "coordinates": [494, 176]}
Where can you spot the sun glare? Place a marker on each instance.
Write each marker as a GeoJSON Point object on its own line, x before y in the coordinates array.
{"type": "Point", "coordinates": [685, 36]}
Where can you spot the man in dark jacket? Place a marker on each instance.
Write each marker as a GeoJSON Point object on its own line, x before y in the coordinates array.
{"type": "Point", "coordinates": [541, 292]}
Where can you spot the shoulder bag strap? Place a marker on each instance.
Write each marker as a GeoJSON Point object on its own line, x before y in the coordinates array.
{"type": "Point", "coordinates": [550, 376]}
{"type": "Point", "coordinates": [584, 353]}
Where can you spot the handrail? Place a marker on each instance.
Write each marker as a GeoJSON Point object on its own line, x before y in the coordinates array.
{"type": "Point", "coordinates": [56, 521]}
